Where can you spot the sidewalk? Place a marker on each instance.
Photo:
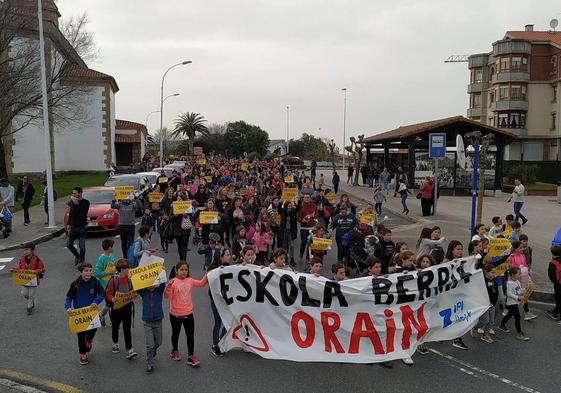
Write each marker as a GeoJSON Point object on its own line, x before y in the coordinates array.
{"type": "Point", "coordinates": [37, 231]}
{"type": "Point", "coordinates": [454, 216]}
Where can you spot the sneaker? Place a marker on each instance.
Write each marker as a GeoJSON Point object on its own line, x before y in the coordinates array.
{"type": "Point", "coordinates": [487, 338]}
{"type": "Point", "coordinates": [84, 359]}
{"type": "Point", "coordinates": [193, 361]}
{"type": "Point", "coordinates": [553, 316]}
{"type": "Point", "coordinates": [460, 344]}
{"type": "Point", "coordinates": [215, 350]}
{"type": "Point", "coordinates": [116, 348]}
{"type": "Point", "coordinates": [149, 367]}
{"type": "Point", "coordinates": [408, 361]}
{"type": "Point", "coordinates": [505, 312]}
{"type": "Point", "coordinates": [131, 353]}
{"type": "Point", "coordinates": [480, 331]}
{"type": "Point", "coordinates": [522, 337]}
{"type": "Point", "coordinates": [29, 310]}
{"type": "Point", "coordinates": [491, 332]}
{"type": "Point", "coordinates": [176, 356]}
{"type": "Point", "coordinates": [529, 316]}
{"type": "Point", "coordinates": [503, 328]}
{"type": "Point", "coordinates": [422, 350]}
{"type": "Point", "coordinates": [473, 333]}
{"type": "Point", "coordinates": [558, 320]}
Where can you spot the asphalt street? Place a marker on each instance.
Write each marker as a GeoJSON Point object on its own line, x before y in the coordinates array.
{"type": "Point", "coordinates": [42, 346]}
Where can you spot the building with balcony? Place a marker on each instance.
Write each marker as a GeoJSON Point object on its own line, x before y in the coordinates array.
{"type": "Point", "coordinates": [515, 87]}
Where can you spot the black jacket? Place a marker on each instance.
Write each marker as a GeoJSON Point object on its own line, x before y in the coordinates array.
{"type": "Point", "coordinates": [26, 195]}
{"type": "Point", "coordinates": [290, 219]}
{"type": "Point", "coordinates": [78, 214]}
{"type": "Point", "coordinates": [492, 291]}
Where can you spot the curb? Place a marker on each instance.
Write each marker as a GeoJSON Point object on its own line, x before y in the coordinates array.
{"type": "Point", "coordinates": [40, 239]}
{"type": "Point", "coordinates": [30, 383]}
{"type": "Point", "coordinates": [543, 297]}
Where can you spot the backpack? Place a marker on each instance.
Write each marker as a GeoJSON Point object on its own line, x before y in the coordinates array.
{"type": "Point", "coordinates": [38, 261]}
{"type": "Point", "coordinates": [130, 254]}
{"type": "Point", "coordinates": [438, 254]}
{"type": "Point", "coordinates": [557, 265]}
{"type": "Point", "coordinates": [115, 279]}
{"type": "Point", "coordinates": [96, 285]}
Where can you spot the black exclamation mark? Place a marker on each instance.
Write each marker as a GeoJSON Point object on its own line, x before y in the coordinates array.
{"type": "Point", "coordinates": [246, 332]}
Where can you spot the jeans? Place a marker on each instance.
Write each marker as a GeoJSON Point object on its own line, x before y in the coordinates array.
{"type": "Point", "coordinates": [404, 203]}
{"type": "Point", "coordinates": [25, 205]}
{"type": "Point", "coordinates": [188, 324]}
{"type": "Point", "coordinates": [123, 315]}
{"type": "Point", "coordinates": [218, 331]}
{"type": "Point", "coordinates": [487, 320]}
{"type": "Point", "coordinates": [342, 251]}
{"type": "Point", "coordinates": [77, 233]}
{"type": "Point", "coordinates": [517, 211]}
{"type": "Point", "coordinates": [126, 233]}
{"type": "Point", "coordinates": [29, 294]}
{"type": "Point", "coordinates": [84, 337]}
{"type": "Point", "coordinates": [153, 335]}
{"type": "Point", "coordinates": [386, 187]}
{"type": "Point", "coordinates": [378, 208]}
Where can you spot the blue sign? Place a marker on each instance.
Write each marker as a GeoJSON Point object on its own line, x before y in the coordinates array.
{"type": "Point", "coordinates": [437, 145]}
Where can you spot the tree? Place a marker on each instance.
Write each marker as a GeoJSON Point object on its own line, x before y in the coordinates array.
{"type": "Point", "coordinates": [332, 153]}
{"type": "Point", "coordinates": [310, 148]}
{"type": "Point", "coordinates": [484, 163]}
{"type": "Point", "coordinates": [188, 125]}
{"type": "Point", "coordinates": [246, 138]}
{"type": "Point", "coordinates": [215, 141]}
{"type": "Point", "coordinates": [355, 149]}
{"type": "Point", "coordinates": [21, 98]}
{"type": "Point", "coordinates": [164, 134]}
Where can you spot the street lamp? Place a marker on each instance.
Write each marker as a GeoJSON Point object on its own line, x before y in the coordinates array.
{"type": "Point", "coordinates": [344, 89]}
{"type": "Point", "coordinates": [148, 116]}
{"type": "Point", "coordinates": [162, 107]}
{"type": "Point", "coordinates": [287, 119]}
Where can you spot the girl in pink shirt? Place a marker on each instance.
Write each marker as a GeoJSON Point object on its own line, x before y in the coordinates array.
{"type": "Point", "coordinates": [179, 292]}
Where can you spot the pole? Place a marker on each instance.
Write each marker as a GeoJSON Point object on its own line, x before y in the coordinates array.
{"type": "Point", "coordinates": [474, 182]}
{"type": "Point", "coordinates": [435, 186]}
{"type": "Point", "coordinates": [345, 126]}
{"type": "Point", "coordinates": [287, 126]}
{"type": "Point", "coordinates": [46, 129]}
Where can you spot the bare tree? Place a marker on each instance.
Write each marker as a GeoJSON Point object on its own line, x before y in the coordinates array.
{"type": "Point", "coordinates": [484, 163]}
{"type": "Point", "coordinates": [21, 99]}
{"type": "Point", "coordinates": [355, 149]}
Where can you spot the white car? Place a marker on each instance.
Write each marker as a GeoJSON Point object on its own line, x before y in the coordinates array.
{"type": "Point", "coordinates": [151, 176]}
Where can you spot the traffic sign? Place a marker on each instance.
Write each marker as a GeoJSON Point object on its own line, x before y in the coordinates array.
{"type": "Point", "coordinates": [437, 145]}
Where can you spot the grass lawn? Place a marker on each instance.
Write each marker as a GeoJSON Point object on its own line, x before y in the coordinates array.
{"type": "Point", "coordinates": [542, 186]}
{"type": "Point", "coordinates": [64, 185]}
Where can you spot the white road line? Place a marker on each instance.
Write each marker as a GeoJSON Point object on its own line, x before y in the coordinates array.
{"type": "Point", "coordinates": [19, 387]}
{"type": "Point", "coordinates": [465, 366]}
{"type": "Point", "coordinates": [2, 267]}
{"type": "Point", "coordinates": [6, 260]}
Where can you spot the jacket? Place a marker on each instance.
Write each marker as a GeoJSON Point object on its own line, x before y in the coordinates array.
{"type": "Point", "coordinates": [492, 291]}
{"type": "Point", "coordinates": [78, 214]}
{"type": "Point", "coordinates": [426, 190]}
{"type": "Point", "coordinates": [288, 222]}
{"type": "Point", "coordinates": [342, 224]}
{"type": "Point", "coordinates": [34, 264]}
{"type": "Point", "coordinates": [261, 241]}
{"type": "Point", "coordinates": [308, 210]}
{"type": "Point", "coordinates": [26, 193]}
{"type": "Point", "coordinates": [84, 293]}
{"type": "Point", "coordinates": [152, 309]}
{"type": "Point", "coordinates": [126, 210]}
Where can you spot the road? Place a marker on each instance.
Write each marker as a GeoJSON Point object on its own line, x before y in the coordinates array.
{"type": "Point", "coordinates": [41, 345]}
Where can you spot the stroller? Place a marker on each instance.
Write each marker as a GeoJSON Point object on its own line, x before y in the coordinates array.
{"type": "Point", "coordinates": [5, 220]}
{"type": "Point", "coordinates": [357, 253]}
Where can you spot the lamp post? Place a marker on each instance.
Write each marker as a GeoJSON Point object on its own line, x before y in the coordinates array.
{"type": "Point", "coordinates": [162, 106]}
{"type": "Point", "coordinates": [287, 126]}
{"type": "Point", "coordinates": [148, 116]}
{"type": "Point", "coordinates": [344, 89]}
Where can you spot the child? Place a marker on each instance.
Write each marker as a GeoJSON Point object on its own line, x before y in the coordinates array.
{"type": "Point", "coordinates": [316, 266]}
{"type": "Point", "coordinates": [248, 256]}
{"type": "Point", "coordinates": [374, 267]}
{"type": "Point", "coordinates": [405, 262]}
{"type": "Point", "coordinates": [516, 232]}
{"type": "Point", "coordinates": [178, 291]}
{"type": "Point", "coordinates": [517, 259]}
{"type": "Point", "coordinates": [479, 232]}
{"type": "Point", "coordinates": [83, 292]}
{"type": "Point", "coordinates": [319, 232]}
{"type": "Point", "coordinates": [514, 294]}
{"type": "Point", "coordinates": [279, 260]}
{"type": "Point", "coordinates": [379, 198]}
{"type": "Point", "coordinates": [222, 258]}
{"type": "Point", "coordinates": [425, 261]}
{"type": "Point", "coordinates": [104, 270]}
{"type": "Point", "coordinates": [526, 249]}
{"type": "Point", "coordinates": [497, 228]}
{"type": "Point", "coordinates": [554, 274]}
{"type": "Point", "coordinates": [386, 250]}
{"type": "Point", "coordinates": [321, 181]}
{"type": "Point", "coordinates": [507, 227]}
{"type": "Point", "coordinates": [120, 282]}
{"type": "Point", "coordinates": [148, 219]}
{"type": "Point", "coordinates": [240, 241]}
{"type": "Point", "coordinates": [261, 240]}
{"type": "Point", "coordinates": [487, 320]}
{"type": "Point", "coordinates": [30, 261]}
{"type": "Point", "coordinates": [339, 272]}
{"type": "Point", "coordinates": [152, 315]}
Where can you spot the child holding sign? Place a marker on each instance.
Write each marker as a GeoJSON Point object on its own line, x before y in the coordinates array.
{"type": "Point", "coordinates": [30, 261]}
{"type": "Point", "coordinates": [514, 294]}
{"type": "Point", "coordinates": [152, 315]}
{"type": "Point", "coordinates": [179, 292]}
{"type": "Point", "coordinates": [85, 291]}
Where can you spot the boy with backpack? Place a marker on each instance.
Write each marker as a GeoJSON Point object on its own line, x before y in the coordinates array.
{"type": "Point", "coordinates": [104, 269]}
{"type": "Point", "coordinates": [30, 261]}
{"type": "Point", "coordinates": [152, 315]}
{"type": "Point", "coordinates": [85, 291]}
{"type": "Point", "coordinates": [554, 274]}
{"type": "Point", "coordinates": [120, 282]}
{"type": "Point", "coordinates": [140, 246]}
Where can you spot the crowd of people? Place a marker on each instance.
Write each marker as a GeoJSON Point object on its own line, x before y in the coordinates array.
{"type": "Point", "coordinates": [256, 223]}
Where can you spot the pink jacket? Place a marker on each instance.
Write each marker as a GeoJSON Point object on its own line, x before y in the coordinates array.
{"type": "Point", "coordinates": [518, 260]}
{"type": "Point", "coordinates": [179, 293]}
{"type": "Point", "coordinates": [261, 241]}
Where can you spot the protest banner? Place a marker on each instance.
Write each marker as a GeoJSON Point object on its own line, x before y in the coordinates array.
{"type": "Point", "coordinates": [367, 218]}
{"type": "Point", "coordinates": [208, 217]}
{"type": "Point", "coordinates": [331, 197]}
{"type": "Point", "coordinates": [123, 298]}
{"type": "Point", "coordinates": [24, 277]}
{"type": "Point", "coordinates": [122, 192]}
{"type": "Point", "coordinates": [197, 150]}
{"type": "Point", "coordinates": [497, 249]}
{"type": "Point", "coordinates": [82, 319]}
{"type": "Point", "coordinates": [147, 274]}
{"type": "Point", "coordinates": [289, 194]}
{"type": "Point", "coordinates": [155, 197]}
{"type": "Point", "coordinates": [280, 314]}
{"type": "Point", "coordinates": [321, 244]}
{"type": "Point", "coordinates": [289, 179]}
{"type": "Point", "coordinates": [244, 166]}
{"type": "Point", "coordinates": [182, 207]}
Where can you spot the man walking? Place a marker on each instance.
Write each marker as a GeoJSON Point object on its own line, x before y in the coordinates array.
{"type": "Point", "coordinates": [77, 224]}
{"type": "Point", "coordinates": [127, 209]}
{"type": "Point", "coordinates": [518, 199]}
{"type": "Point", "coordinates": [25, 192]}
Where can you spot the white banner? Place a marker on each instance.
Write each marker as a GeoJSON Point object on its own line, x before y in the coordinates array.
{"type": "Point", "coordinates": [279, 314]}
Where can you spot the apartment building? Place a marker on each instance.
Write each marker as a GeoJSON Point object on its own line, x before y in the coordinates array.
{"type": "Point", "coordinates": [516, 87]}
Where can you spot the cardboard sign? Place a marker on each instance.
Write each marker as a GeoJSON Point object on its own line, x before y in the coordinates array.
{"type": "Point", "coordinates": [122, 192]}
{"type": "Point", "coordinates": [497, 246]}
{"type": "Point", "coordinates": [123, 298]}
{"type": "Point", "coordinates": [146, 275]}
{"type": "Point", "coordinates": [208, 217]}
{"type": "Point", "coordinates": [155, 197]}
{"type": "Point", "coordinates": [527, 293]}
{"type": "Point", "coordinates": [182, 207]}
{"type": "Point", "coordinates": [208, 179]}
{"type": "Point", "coordinates": [244, 166]}
{"type": "Point", "coordinates": [24, 277]}
{"type": "Point", "coordinates": [289, 179]}
{"type": "Point", "coordinates": [197, 150]}
{"type": "Point", "coordinates": [289, 194]}
{"type": "Point", "coordinates": [367, 218]}
{"type": "Point", "coordinates": [162, 180]}
{"type": "Point", "coordinates": [321, 244]}
{"type": "Point", "coordinates": [109, 270]}
{"type": "Point", "coordinates": [501, 269]}
{"type": "Point", "coordinates": [507, 231]}
{"type": "Point", "coordinates": [83, 319]}
{"type": "Point", "coordinates": [331, 197]}
{"type": "Point", "coordinates": [201, 161]}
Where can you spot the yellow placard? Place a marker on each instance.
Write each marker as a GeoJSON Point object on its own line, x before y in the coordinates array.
{"type": "Point", "coordinates": [155, 197]}
{"type": "Point", "coordinates": [181, 207]}
{"type": "Point", "coordinates": [162, 180]}
{"type": "Point", "coordinates": [288, 194]}
{"type": "Point", "coordinates": [208, 217]}
{"type": "Point", "coordinates": [208, 179]}
{"type": "Point", "coordinates": [123, 192]}
{"type": "Point", "coordinates": [367, 218]}
{"type": "Point", "coordinates": [508, 230]}
{"type": "Point", "coordinates": [24, 277]}
{"type": "Point", "coordinates": [82, 319]}
{"type": "Point", "coordinates": [321, 244]}
{"type": "Point", "coordinates": [109, 270]}
{"type": "Point", "coordinates": [201, 161]}
{"type": "Point", "coordinates": [331, 197]}
{"type": "Point", "coordinates": [501, 269]}
{"type": "Point", "coordinates": [497, 246]}
{"type": "Point", "coordinates": [146, 275]}
{"type": "Point", "coordinates": [123, 298]}
{"type": "Point", "coordinates": [289, 179]}
{"type": "Point", "coordinates": [244, 166]}
{"type": "Point", "coordinates": [527, 294]}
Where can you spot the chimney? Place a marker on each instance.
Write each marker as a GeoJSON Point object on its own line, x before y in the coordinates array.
{"type": "Point", "coordinates": [529, 28]}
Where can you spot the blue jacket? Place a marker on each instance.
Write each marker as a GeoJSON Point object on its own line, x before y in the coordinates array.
{"type": "Point", "coordinates": [152, 309]}
{"type": "Point", "coordinates": [84, 293]}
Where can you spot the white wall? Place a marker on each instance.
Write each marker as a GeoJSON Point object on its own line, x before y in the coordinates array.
{"type": "Point", "coordinates": [113, 123]}
{"type": "Point", "coordinates": [538, 120]}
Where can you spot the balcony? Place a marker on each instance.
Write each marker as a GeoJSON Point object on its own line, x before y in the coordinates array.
{"type": "Point", "coordinates": [474, 112]}
{"type": "Point", "coordinates": [477, 87]}
{"type": "Point", "coordinates": [506, 105]}
{"type": "Point", "coordinates": [478, 60]}
{"type": "Point", "coordinates": [511, 76]}
{"type": "Point", "coordinates": [511, 46]}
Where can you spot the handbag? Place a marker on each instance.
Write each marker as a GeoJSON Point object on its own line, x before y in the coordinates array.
{"type": "Point", "coordinates": [186, 224]}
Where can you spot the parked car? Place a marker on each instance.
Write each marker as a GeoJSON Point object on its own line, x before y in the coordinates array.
{"type": "Point", "coordinates": [168, 171]}
{"type": "Point", "coordinates": [151, 176]}
{"type": "Point", "coordinates": [141, 185]}
{"type": "Point", "coordinates": [101, 217]}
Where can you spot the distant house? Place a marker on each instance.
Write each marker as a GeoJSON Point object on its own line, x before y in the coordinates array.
{"type": "Point", "coordinates": [277, 146]}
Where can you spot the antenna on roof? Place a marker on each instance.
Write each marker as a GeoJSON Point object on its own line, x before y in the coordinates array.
{"type": "Point", "coordinates": [553, 24]}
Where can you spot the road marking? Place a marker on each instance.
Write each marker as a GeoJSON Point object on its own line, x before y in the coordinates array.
{"type": "Point", "coordinates": [6, 260]}
{"type": "Point", "coordinates": [30, 379]}
{"type": "Point", "coordinates": [470, 369]}
{"type": "Point", "coordinates": [19, 387]}
{"type": "Point", "coordinates": [2, 267]}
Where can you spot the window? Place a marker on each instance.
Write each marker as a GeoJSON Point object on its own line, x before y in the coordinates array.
{"type": "Point", "coordinates": [478, 75]}
{"type": "Point", "coordinates": [503, 120]}
{"type": "Point", "coordinates": [516, 64]}
{"type": "Point", "coordinates": [505, 64]}
{"type": "Point", "coordinates": [476, 100]}
{"type": "Point", "coordinates": [517, 120]}
{"type": "Point", "coordinates": [553, 121]}
{"type": "Point", "coordinates": [503, 93]}
{"type": "Point", "coordinates": [491, 97]}
{"type": "Point", "coordinates": [518, 92]}
{"type": "Point", "coordinates": [554, 99]}
{"type": "Point", "coordinates": [532, 151]}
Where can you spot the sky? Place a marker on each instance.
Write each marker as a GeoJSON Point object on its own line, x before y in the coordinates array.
{"type": "Point", "coordinates": [252, 58]}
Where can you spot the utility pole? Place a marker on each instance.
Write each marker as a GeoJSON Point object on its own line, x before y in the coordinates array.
{"type": "Point", "coordinates": [287, 127]}
{"type": "Point", "coordinates": [481, 161]}
{"type": "Point", "coordinates": [344, 89]}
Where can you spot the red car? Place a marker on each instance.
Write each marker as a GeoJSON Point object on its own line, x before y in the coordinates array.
{"type": "Point", "coordinates": [101, 217]}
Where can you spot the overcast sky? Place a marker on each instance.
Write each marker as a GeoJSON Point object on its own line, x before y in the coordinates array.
{"type": "Point", "coordinates": [252, 58]}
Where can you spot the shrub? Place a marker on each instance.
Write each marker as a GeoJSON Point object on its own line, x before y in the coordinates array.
{"type": "Point", "coordinates": [526, 173]}
{"type": "Point", "coordinates": [254, 156]}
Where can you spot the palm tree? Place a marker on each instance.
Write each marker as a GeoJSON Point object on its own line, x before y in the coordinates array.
{"type": "Point", "coordinates": [188, 125]}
